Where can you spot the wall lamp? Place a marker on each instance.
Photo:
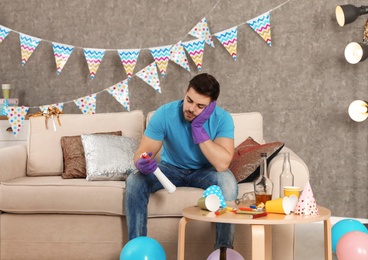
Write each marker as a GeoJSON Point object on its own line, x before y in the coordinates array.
{"type": "Point", "coordinates": [346, 14]}
{"type": "Point", "coordinates": [358, 110]}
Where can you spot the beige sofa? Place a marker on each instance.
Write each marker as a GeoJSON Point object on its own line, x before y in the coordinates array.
{"type": "Point", "coordinates": [46, 217]}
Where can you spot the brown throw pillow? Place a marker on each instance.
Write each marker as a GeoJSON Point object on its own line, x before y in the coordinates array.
{"type": "Point", "coordinates": [246, 159]}
{"type": "Point", "coordinates": [73, 153]}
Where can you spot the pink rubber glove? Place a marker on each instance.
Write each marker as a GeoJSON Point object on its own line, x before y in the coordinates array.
{"type": "Point", "coordinates": [146, 165]}
{"type": "Point", "coordinates": [199, 134]}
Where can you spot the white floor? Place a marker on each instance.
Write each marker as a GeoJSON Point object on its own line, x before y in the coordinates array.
{"type": "Point", "coordinates": [309, 239]}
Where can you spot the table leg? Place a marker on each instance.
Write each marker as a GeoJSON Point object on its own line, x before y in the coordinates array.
{"type": "Point", "coordinates": [328, 239]}
{"type": "Point", "coordinates": [181, 237]}
{"type": "Point", "coordinates": [261, 242]}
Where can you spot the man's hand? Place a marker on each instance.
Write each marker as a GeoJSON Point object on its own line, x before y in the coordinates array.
{"type": "Point", "coordinates": [146, 165]}
{"type": "Point", "coordinates": [199, 134]}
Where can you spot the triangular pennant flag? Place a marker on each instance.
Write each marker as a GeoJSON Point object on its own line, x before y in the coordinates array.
{"type": "Point", "coordinates": [161, 55]}
{"type": "Point", "coordinates": [306, 205]}
{"type": "Point", "coordinates": [3, 110]}
{"type": "Point", "coordinates": [201, 31]}
{"type": "Point", "coordinates": [150, 76]}
{"type": "Point", "coordinates": [228, 39]}
{"type": "Point", "coordinates": [62, 53]}
{"type": "Point", "coordinates": [177, 55]}
{"type": "Point", "coordinates": [87, 104]}
{"type": "Point", "coordinates": [129, 58]}
{"type": "Point", "coordinates": [16, 116]}
{"type": "Point", "coordinates": [59, 106]}
{"type": "Point", "coordinates": [262, 26]}
{"type": "Point", "coordinates": [94, 58]}
{"type": "Point", "coordinates": [120, 92]}
{"type": "Point", "coordinates": [3, 33]}
{"type": "Point", "coordinates": [28, 45]}
{"type": "Point", "coordinates": [195, 50]}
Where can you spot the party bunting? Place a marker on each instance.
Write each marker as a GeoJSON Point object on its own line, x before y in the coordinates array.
{"type": "Point", "coordinates": [177, 55]}
{"type": "Point", "coordinates": [87, 104]}
{"type": "Point", "coordinates": [228, 39]}
{"type": "Point", "coordinates": [62, 53]}
{"type": "Point", "coordinates": [201, 31]}
{"type": "Point", "coordinates": [195, 50]}
{"type": "Point", "coordinates": [129, 59]}
{"type": "Point", "coordinates": [94, 58]}
{"type": "Point", "coordinates": [60, 106]}
{"type": "Point", "coordinates": [161, 55]}
{"type": "Point", "coordinates": [120, 92]}
{"type": "Point", "coordinates": [3, 33]}
{"type": "Point", "coordinates": [150, 76]}
{"type": "Point", "coordinates": [16, 116]}
{"type": "Point", "coordinates": [262, 26]}
{"type": "Point", "coordinates": [28, 45]}
{"type": "Point", "coordinates": [3, 110]}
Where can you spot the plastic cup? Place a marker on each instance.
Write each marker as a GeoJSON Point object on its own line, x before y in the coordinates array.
{"type": "Point", "coordinates": [293, 200]}
{"type": "Point", "coordinates": [6, 90]}
{"type": "Point", "coordinates": [211, 203]}
{"type": "Point", "coordinates": [291, 190]}
{"type": "Point", "coordinates": [280, 205]}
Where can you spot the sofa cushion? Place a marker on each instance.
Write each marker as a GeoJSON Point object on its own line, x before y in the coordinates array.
{"type": "Point", "coordinates": [73, 155]}
{"type": "Point", "coordinates": [108, 157]}
{"type": "Point", "coordinates": [246, 159]}
{"type": "Point", "coordinates": [53, 194]}
{"type": "Point", "coordinates": [44, 150]}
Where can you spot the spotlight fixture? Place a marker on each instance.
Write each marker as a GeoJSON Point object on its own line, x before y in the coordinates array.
{"type": "Point", "coordinates": [356, 52]}
{"type": "Point", "coordinates": [346, 14]}
{"type": "Point", "coordinates": [358, 110]}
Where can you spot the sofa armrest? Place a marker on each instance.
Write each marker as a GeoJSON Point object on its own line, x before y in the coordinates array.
{"type": "Point", "coordinates": [13, 162]}
{"type": "Point", "coordinates": [298, 168]}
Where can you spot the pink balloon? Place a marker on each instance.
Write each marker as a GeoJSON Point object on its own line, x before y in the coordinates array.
{"type": "Point", "coordinates": [231, 254]}
{"type": "Point", "coordinates": [353, 245]}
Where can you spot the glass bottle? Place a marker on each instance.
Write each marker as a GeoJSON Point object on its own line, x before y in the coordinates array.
{"type": "Point", "coordinates": [263, 185]}
{"type": "Point", "coordinates": [286, 176]}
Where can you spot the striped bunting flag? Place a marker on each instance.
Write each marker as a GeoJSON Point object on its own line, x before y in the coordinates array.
{"type": "Point", "coordinates": [129, 60]}
{"type": "Point", "coordinates": [3, 33]}
{"type": "Point", "coordinates": [120, 92]}
{"type": "Point", "coordinates": [177, 55]}
{"type": "Point", "coordinates": [201, 31]}
{"type": "Point", "coordinates": [195, 50]}
{"type": "Point", "coordinates": [87, 104]}
{"type": "Point", "coordinates": [62, 53]}
{"type": "Point", "coordinates": [28, 45]}
{"type": "Point", "coordinates": [161, 56]}
{"type": "Point", "coordinates": [228, 39]}
{"type": "Point", "coordinates": [94, 58]}
{"type": "Point", "coordinates": [150, 76]}
{"type": "Point", "coordinates": [262, 26]}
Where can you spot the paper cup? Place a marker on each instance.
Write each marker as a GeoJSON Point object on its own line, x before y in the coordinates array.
{"type": "Point", "coordinates": [6, 90]}
{"type": "Point", "coordinates": [211, 203]}
{"type": "Point", "coordinates": [291, 190]}
{"type": "Point", "coordinates": [280, 205]}
{"type": "Point", "coordinates": [293, 200]}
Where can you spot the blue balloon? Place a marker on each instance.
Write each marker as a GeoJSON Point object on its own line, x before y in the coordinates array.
{"type": "Point", "coordinates": [345, 226]}
{"type": "Point", "coordinates": [143, 248]}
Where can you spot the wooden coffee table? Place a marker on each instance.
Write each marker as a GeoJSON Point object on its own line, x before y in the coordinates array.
{"type": "Point", "coordinates": [261, 228]}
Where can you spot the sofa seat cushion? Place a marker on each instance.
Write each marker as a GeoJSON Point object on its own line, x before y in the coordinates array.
{"type": "Point", "coordinates": [53, 194]}
{"type": "Point", "coordinates": [162, 204]}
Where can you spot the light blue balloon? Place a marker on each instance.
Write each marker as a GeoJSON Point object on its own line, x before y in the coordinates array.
{"type": "Point", "coordinates": [345, 226]}
{"type": "Point", "coordinates": [143, 248]}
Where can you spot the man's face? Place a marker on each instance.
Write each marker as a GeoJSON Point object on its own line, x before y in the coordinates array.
{"type": "Point", "coordinates": [194, 104]}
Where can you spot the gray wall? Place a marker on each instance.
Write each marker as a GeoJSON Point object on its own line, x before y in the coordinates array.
{"type": "Point", "coordinates": [302, 84]}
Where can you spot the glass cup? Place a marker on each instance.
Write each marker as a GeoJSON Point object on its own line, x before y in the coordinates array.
{"type": "Point", "coordinates": [6, 90]}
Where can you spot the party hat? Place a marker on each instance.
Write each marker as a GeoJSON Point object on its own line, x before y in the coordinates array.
{"type": "Point", "coordinates": [214, 189]}
{"type": "Point", "coordinates": [307, 204]}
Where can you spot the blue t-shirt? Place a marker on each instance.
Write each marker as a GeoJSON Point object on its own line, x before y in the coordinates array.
{"type": "Point", "coordinates": [169, 126]}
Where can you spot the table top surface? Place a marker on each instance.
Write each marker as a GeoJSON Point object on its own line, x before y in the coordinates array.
{"type": "Point", "coordinates": [196, 213]}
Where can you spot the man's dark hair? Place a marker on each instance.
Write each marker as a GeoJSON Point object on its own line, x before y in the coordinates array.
{"type": "Point", "coordinates": [206, 85]}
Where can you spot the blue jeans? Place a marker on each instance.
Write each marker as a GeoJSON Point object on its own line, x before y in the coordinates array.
{"type": "Point", "coordinates": [139, 187]}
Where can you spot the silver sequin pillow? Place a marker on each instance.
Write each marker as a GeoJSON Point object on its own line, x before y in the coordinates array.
{"type": "Point", "coordinates": [109, 157]}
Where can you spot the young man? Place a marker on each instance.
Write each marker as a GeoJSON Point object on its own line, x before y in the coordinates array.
{"type": "Point", "coordinates": [197, 140]}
